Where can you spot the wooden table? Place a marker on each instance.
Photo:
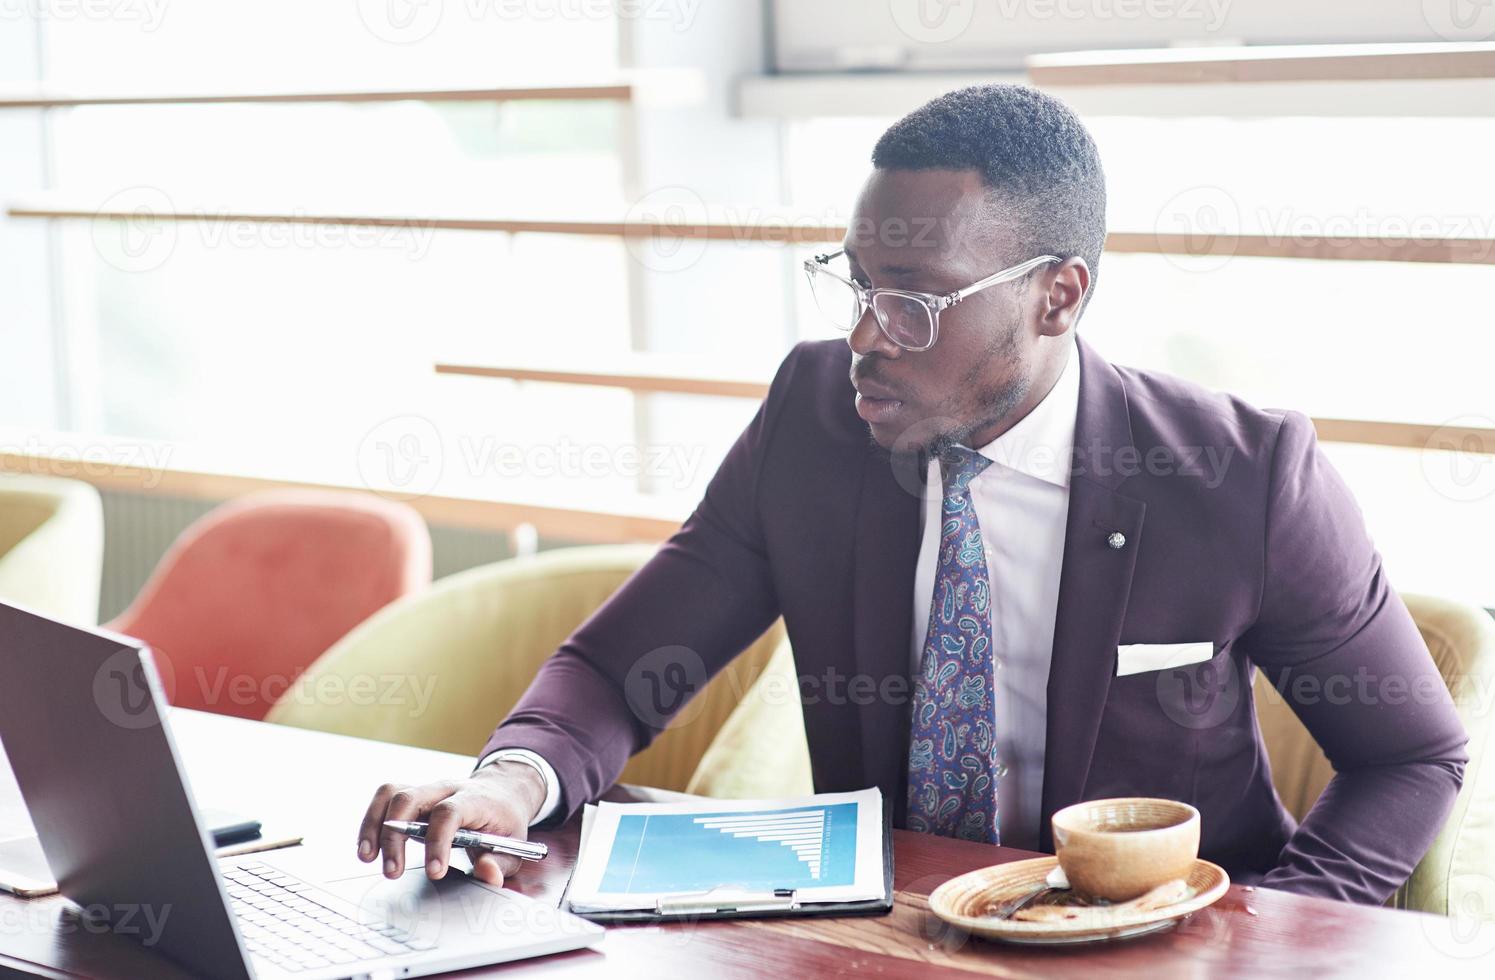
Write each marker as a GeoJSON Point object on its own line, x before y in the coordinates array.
{"type": "Point", "coordinates": [320, 784]}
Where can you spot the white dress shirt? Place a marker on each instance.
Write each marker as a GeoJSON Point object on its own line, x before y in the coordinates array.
{"type": "Point", "coordinates": [537, 762]}
{"type": "Point", "coordinates": [1022, 505]}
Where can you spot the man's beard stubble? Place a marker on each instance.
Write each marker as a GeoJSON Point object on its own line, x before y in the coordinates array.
{"type": "Point", "coordinates": [993, 404]}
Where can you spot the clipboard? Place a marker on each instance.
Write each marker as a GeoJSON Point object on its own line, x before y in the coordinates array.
{"type": "Point", "coordinates": [732, 903]}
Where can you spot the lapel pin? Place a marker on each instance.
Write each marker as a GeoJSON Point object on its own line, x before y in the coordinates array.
{"type": "Point", "coordinates": [1117, 540]}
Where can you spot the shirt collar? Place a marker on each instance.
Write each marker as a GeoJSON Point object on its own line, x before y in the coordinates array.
{"type": "Point", "coordinates": [1041, 443]}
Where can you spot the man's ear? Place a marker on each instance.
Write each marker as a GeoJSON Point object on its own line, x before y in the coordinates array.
{"type": "Point", "coordinates": [1063, 297]}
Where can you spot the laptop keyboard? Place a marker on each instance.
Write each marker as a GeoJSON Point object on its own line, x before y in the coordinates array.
{"type": "Point", "coordinates": [281, 924]}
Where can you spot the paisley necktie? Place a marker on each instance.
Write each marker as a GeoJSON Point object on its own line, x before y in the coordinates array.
{"type": "Point", "coordinates": [952, 760]}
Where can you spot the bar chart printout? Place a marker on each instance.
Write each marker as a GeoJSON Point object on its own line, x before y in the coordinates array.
{"type": "Point", "coordinates": [802, 847]}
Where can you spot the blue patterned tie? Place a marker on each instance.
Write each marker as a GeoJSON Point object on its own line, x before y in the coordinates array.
{"type": "Point", "coordinates": [952, 757]}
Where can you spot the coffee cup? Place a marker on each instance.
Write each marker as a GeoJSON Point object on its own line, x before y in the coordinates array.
{"type": "Point", "coordinates": [1118, 849]}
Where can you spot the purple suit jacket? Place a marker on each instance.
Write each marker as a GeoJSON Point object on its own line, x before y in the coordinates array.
{"type": "Point", "coordinates": [1236, 531]}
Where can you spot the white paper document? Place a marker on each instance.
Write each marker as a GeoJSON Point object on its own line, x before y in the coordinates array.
{"type": "Point", "coordinates": [823, 848]}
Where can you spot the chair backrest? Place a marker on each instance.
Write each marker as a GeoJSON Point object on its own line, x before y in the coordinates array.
{"type": "Point", "coordinates": [761, 752]}
{"type": "Point", "coordinates": [1461, 639]}
{"type": "Point", "coordinates": [256, 590]}
{"type": "Point", "coordinates": [51, 546]}
{"type": "Point", "coordinates": [453, 661]}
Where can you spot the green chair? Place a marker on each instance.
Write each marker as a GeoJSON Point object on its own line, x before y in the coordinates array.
{"type": "Point", "coordinates": [1457, 876]}
{"type": "Point", "coordinates": [761, 752]}
{"type": "Point", "coordinates": [480, 636]}
{"type": "Point", "coordinates": [51, 546]}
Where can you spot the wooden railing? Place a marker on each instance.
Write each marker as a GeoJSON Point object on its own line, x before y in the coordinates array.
{"type": "Point", "coordinates": [636, 372]}
{"type": "Point", "coordinates": [52, 98]}
{"type": "Point", "coordinates": [1338, 80]}
{"type": "Point", "coordinates": [1407, 435]}
{"type": "Point", "coordinates": [652, 87]}
{"type": "Point", "coordinates": [724, 223]}
{"type": "Point", "coordinates": [1253, 65]}
{"type": "Point", "coordinates": [623, 518]}
{"type": "Point", "coordinates": [752, 224]}
{"type": "Point", "coordinates": [639, 376]}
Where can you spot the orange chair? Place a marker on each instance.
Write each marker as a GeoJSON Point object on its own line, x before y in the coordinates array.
{"type": "Point", "coordinates": [260, 587]}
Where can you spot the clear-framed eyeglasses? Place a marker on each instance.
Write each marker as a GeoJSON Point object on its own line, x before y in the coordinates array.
{"type": "Point", "coordinates": [906, 317]}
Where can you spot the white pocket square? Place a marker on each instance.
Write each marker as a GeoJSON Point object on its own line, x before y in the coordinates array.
{"type": "Point", "coordinates": [1135, 658]}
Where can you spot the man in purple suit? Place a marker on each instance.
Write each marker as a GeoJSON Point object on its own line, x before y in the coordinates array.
{"type": "Point", "coordinates": [1043, 579]}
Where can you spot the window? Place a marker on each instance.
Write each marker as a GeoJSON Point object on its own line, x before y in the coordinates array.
{"type": "Point", "coordinates": [1381, 341]}
{"type": "Point", "coordinates": [305, 350]}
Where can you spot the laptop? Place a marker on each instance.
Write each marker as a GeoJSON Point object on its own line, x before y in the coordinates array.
{"type": "Point", "coordinates": [84, 722]}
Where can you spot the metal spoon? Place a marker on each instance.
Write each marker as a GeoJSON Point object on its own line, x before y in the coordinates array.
{"type": "Point", "coordinates": [1056, 881]}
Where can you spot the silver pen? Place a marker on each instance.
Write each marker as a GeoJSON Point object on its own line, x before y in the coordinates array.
{"type": "Point", "coordinates": [525, 850]}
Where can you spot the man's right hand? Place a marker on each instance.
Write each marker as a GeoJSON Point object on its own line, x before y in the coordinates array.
{"type": "Point", "coordinates": [500, 798]}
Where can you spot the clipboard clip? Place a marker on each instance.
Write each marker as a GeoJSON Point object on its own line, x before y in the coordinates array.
{"type": "Point", "coordinates": [727, 899]}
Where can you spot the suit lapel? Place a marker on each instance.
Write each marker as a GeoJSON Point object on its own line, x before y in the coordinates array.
{"type": "Point", "coordinates": [1093, 586]}
{"type": "Point", "coordinates": [887, 548]}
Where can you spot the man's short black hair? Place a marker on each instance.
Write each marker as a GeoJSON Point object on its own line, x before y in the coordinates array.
{"type": "Point", "coordinates": [1030, 149]}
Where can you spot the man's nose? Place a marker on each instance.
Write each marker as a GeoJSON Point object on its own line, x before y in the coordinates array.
{"type": "Point", "coordinates": [867, 337]}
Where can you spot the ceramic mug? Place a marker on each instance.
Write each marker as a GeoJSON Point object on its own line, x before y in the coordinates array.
{"type": "Point", "coordinates": [1121, 848]}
